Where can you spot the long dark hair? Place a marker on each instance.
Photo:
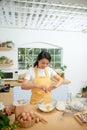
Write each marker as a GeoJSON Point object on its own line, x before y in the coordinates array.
{"type": "Point", "coordinates": [41, 55]}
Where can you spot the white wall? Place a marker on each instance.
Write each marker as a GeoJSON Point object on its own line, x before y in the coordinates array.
{"type": "Point", "coordinates": [74, 50]}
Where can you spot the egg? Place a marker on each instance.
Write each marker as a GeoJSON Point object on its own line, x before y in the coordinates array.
{"type": "Point", "coordinates": [24, 117]}
{"type": "Point", "coordinates": [47, 108]}
{"type": "Point", "coordinates": [29, 118]}
{"type": "Point", "coordinates": [21, 120]}
{"type": "Point", "coordinates": [37, 119]}
{"type": "Point", "coordinates": [32, 115]}
{"type": "Point", "coordinates": [23, 114]}
{"type": "Point", "coordinates": [28, 114]}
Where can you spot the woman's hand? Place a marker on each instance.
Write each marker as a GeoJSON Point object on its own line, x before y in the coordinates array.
{"type": "Point", "coordinates": [44, 88]}
{"type": "Point", "coordinates": [47, 89]}
{"type": "Point", "coordinates": [51, 88]}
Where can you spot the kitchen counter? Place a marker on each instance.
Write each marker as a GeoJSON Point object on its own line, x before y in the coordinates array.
{"type": "Point", "coordinates": [55, 122]}
{"type": "Point", "coordinates": [19, 83]}
{"type": "Point", "coordinates": [55, 119]}
{"type": "Point", "coordinates": [7, 97]}
{"type": "Point", "coordinates": [13, 82]}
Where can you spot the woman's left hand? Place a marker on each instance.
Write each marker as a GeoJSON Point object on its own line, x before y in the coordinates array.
{"type": "Point", "coordinates": [51, 88]}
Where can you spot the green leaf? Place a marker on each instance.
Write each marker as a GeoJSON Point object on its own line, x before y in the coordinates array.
{"type": "Point", "coordinates": [5, 123]}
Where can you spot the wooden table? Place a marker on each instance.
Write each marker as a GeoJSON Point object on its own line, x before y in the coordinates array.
{"type": "Point", "coordinates": [54, 118]}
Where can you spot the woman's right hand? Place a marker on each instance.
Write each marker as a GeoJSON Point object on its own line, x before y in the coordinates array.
{"type": "Point", "coordinates": [44, 88]}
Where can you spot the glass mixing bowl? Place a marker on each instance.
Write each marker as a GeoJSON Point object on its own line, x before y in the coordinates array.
{"type": "Point", "coordinates": [47, 107]}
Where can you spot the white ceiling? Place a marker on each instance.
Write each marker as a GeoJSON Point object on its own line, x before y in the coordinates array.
{"type": "Point", "coordinates": [64, 15]}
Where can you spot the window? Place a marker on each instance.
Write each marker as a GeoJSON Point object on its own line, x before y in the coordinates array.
{"type": "Point", "coordinates": [27, 57]}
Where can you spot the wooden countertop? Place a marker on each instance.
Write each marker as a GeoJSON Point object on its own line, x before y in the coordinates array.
{"type": "Point", "coordinates": [54, 118]}
{"type": "Point", "coordinates": [7, 97]}
{"type": "Point", "coordinates": [19, 83]}
{"type": "Point", "coordinates": [55, 122]}
{"type": "Point", "coordinates": [13, 82]}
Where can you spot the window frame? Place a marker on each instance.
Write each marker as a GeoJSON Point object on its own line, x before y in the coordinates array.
{"type": "Point", "coordinates": [28, 55]}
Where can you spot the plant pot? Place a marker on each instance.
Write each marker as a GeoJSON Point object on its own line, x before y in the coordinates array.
{"type": "Point", "coordinates": [84, 94]}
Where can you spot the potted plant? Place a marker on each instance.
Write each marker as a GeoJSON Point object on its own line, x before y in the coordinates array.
{"type": "Point", "coordinates": [62, 73]}
{"type": "Point", "coordinates": [3, 59]}
{"type": "Point", "coordinates": [1, 76]}
{"type": "Point", "coordinates": [8, 44]}
{"type": "Point", "coordinates": [84, 91]}
{"type": "Point", "coordinates": [5, 123]}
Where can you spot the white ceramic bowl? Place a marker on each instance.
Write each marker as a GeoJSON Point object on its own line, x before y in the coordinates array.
{"type": "Point", "coordinates": [61, 105]}
{"type": "Point", "coordinates": [47, 107]}
{"type": "Point", "coordinates": [20, 102]}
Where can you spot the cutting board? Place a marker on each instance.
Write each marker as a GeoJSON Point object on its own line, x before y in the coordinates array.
{"type": "Point", "coordinates": [79, 119]}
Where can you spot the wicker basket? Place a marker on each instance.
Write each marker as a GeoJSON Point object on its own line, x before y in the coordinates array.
{"type": "Point", "coordinates": [27, 123]}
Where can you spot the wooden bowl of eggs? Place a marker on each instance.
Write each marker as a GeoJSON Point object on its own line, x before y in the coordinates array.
{"type": "Point", "coordinates": [27, 119]}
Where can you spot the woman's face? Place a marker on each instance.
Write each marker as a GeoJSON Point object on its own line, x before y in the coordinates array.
{"type": "Point", "coordinates": [43, 63]}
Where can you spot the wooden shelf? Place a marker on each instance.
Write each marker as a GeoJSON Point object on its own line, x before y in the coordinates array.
{"type": "Point", "coordinates": [19, 82]}
{"type": "Point", "coordinates": [6, 64]}
{"type": "Point", "coordinates": [5, 48]}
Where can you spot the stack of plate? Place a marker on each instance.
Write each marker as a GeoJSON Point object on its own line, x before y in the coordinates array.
{"type": "Point", "coordinates": [61, 105]}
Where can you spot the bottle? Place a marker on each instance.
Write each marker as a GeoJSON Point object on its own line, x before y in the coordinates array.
{"type": "Point", "coordinates": [69, 98]}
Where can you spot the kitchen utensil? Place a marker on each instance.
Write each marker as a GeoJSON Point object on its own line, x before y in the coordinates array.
{"type": "Point", "coordinates": [81, 117]}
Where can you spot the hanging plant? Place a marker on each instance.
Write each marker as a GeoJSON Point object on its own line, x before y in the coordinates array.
{"type": "Point", "coordinates": [62, 73]}
{"type": "Point", "coordinates": [63, 67]}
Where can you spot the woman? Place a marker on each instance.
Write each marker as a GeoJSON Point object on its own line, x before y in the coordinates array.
{"type": "Point", "coordinates": [39, 79]}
